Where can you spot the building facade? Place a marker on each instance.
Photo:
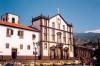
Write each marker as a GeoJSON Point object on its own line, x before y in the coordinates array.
{"type": "Point", "coordinates": [16, 41]}
{"type": "Point", "coordinates": [54, 35]}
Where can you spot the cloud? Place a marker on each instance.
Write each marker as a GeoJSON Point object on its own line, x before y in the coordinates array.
{"type": "Point", "coordinates": [93, 31]}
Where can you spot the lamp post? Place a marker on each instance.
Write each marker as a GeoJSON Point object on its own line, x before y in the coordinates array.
{"type": "Point", "coordinates": [35, 45]}
{"type": "Point", "coordinates": [94, 60]}
{"type": "Point", "coordinates": [81, 58]}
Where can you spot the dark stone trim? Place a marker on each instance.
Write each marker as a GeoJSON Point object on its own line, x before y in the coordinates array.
{"type": "Point", "coordinates": [41, 36]}
{"type": "Point", "coordinates": [47, 18]}
{"type": "Point", "coordinates": [56, 29]}
{"type": "Point", "coordinates": [39, 17]}
{"type": "Point", "coordinates": [6, 16]}
{"type": "Point", "coordinates": [56, 42]}
{"type": "Point", "coordinates": [48, 39]}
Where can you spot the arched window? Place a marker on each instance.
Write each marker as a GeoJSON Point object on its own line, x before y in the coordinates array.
{"type": "Point", "coordinates": [59, 37]}
{"type": "Point", "coordinates": [13, 20]}
{"type": "Point", "coordinates": [3, 19]}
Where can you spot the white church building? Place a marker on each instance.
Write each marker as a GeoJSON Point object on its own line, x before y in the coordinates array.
{"type": "Point", "coordinates": [53, 36]}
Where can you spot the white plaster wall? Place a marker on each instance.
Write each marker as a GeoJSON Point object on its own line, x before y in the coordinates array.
{"type": "Point", "coordinates": [45, 51]}
{"type": "Point", "coordinates": [10, 16]}
{"type": "Point", "coordinates": [54, 19]}
{"type": "Point", "coordinates": [14, 41]}
{"type": "Point", "coordinates": [56, 23]}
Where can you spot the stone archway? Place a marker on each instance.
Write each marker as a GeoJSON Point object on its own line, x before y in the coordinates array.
{"type": "Point", "coordinates": [66, 56]}
{"type": "Point", "coordinates": [52, 52]}
{"type": "Point", "coordinates": [59, 51]}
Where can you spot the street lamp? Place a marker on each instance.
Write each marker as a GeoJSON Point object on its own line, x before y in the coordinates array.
{"type": "Point", "coordinates": [35, 45]}
{"type": "Point", "coordinates": [81, 58]}
{"type": "Point", "coordinates": [94, 60]}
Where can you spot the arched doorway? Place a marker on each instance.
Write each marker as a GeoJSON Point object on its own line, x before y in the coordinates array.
{"type": "Point", "coordinates": [59, 51]}
{"type": "Point", "coordinates": [59, 46]}
{"type": "Point", "coordinates": [52, 52]}
{"type": "Point", "coordinates": [66, 56]}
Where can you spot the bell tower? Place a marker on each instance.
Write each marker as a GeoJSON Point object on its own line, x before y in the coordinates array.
{"type": "Point", "coordinates": [10, 18]}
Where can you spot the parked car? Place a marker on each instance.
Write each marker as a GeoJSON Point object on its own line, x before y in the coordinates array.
{"type": "Point", "coordinates": [58, 63]}
{"type": "Point", "coordinates": [47, 63]}
{"type": "Point", "coordinates": [8, 64]}
{"type": "Point", "coordinates": [32, 64]}
{"type": "Point", "coordinates": [25, 64]}
{"type": "Point", "coordinates": [68, 63]}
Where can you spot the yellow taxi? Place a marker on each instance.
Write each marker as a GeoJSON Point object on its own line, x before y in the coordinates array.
{"type": "Point", "coordinates": [58, 63]}
{"type": "Point", "coordinates": [24, 64]}
{"type": "Point", "coordinates": [32, 64]}
{"type": "Point", "coordinates": [68, 63]}
{"type": "Point", "coordinates": [47, 63]}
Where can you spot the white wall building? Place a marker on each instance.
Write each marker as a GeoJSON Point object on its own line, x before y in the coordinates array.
{"type": "Point", "coordinates": [54, 34]}
{"type": "Point", "coordinates": [16, 41]}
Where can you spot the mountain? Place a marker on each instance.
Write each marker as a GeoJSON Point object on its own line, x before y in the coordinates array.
{"type": "Point", "coordinates": [81, 38]}
{"type": "Point", "coordinates": [93, 31]}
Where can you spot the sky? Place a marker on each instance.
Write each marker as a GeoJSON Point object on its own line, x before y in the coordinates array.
{"type": "Point", "coordinates": [83, 14]}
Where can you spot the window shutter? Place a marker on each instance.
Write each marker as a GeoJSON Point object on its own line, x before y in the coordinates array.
{"type": "Point", "coordinates": [11, 32]}
{"type": "Point", "coordinates": [7, 31]}
{"type": "Point", "coordinates": [18, 33]}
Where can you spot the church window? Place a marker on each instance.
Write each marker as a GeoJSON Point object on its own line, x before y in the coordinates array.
{"type": "Point", "coordinates": [3, 19]}
{"type": "Point", "coordinates": [45, 46]}
{"type": "Point", "coordinates": [63, 27]}
{"type": "Point", "coordinates": [45, 30]}
{"type": "Point", "coordinates": [45, 23]}
{"type": "Point", "coordinates": [45, 37]}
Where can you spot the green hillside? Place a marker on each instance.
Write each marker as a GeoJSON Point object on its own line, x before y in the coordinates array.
{"type": "Point", "coordinates": [89, 39]}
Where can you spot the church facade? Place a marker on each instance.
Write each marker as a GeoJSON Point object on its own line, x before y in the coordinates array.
{"type": "Point", "coordinates": [53, 34]}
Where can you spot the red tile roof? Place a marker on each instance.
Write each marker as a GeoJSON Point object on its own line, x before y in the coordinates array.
{"type": "Point", "coordinates": [17, 26]}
